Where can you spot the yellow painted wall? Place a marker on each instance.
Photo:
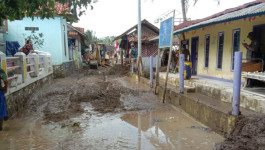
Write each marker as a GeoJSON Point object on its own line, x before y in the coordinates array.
{"type": "Point", "coordinates": [245, 26]}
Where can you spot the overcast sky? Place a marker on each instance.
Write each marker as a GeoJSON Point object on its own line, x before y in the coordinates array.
{"type": "Point", "coordinates": [113, 17]}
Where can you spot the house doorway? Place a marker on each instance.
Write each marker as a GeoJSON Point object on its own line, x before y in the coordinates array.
{"type": "Point", "coordinates": [194, 54]}
{"type": "Point", "coordinates": [259, 32]}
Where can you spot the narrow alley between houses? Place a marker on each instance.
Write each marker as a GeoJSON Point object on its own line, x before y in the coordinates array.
{"type": "Point", "coordinates": [102, 109]}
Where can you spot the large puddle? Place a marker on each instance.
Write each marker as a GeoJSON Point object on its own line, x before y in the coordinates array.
{"type": "Point", "coordinates": [161, 127]}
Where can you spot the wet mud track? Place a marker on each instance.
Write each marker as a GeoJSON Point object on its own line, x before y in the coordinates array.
{"type": "Point", "coordinates": [102, 110]}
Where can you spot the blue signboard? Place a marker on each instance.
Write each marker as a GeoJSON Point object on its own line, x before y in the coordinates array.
{"type": "Point", "coordinates": [165, 35]}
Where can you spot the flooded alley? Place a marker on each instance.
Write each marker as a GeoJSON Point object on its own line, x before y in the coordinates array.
{"type": "Point", "coordinates": [102, 109]}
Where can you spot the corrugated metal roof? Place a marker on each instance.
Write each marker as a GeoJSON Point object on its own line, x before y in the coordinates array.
{"type": "Point", "coordinates": [250, 11]}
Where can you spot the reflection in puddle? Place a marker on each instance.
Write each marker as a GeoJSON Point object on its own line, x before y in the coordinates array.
{"type": "Point", "coordinates": [145, 124]}
{"type": "Point", "coordinates": [159, 129]}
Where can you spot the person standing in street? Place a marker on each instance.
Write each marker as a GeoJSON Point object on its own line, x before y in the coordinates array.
{"type": "Point", "coordinates": [134, 54]}
{"type": "Point", "coordinates": [3, 90]}
{"type": "Point", "coordinates": [115, 57]}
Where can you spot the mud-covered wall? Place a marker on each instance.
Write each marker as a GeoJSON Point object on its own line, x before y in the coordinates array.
{"type": "Point", "coordinates": [18, 100]}
{"type": "Point", "coordinates": [64, 70]}
{"type": "Point", "coordinates": [218, 121]}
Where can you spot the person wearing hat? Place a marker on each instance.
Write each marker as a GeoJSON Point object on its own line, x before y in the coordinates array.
{"type": "Point", "coordinates": [253, 48]}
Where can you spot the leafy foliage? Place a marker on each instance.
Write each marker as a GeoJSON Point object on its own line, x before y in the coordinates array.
{"type": "Point", "coordinates": [18, 9]}
{"type": "Point", "coordinates": [107, 40]}
{"type": "Point", "coordinates": [91, 37]}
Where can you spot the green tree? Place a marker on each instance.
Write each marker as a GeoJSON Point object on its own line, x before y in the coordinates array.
{"type": "Point", "coordinates": [107, 40]}
{"type": "Point", "coordinates": [91, 37]}
{"type": "Point", "coordinates": [18, 9]}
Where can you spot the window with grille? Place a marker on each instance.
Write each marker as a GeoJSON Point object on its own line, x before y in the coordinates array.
{"type": "Point", "coordinates": [220, 50]}
{"type": "Point", "coordinates": [236, 45]}
{"type": "Point", "coordinates": [207, 51]}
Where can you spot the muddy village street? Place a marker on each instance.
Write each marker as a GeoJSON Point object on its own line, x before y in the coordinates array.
{"type": "Point", "coordinates": [102, 109]}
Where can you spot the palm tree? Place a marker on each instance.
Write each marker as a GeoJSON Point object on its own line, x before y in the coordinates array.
{"type": "Point", "coordinates": [185, 6]}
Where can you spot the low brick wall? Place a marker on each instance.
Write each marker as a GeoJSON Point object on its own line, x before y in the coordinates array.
{"type": "Point", "coordinates": [16, 101]}
{"type": "Point", "coordinates": [63, 70]}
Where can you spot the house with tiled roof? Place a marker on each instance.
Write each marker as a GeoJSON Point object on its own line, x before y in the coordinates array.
{"type": "Point", "coordinates": [77, 46]}
{"type": "Point", "coordinates": [213, 41]}
{"type": "Point", "coordinates": [54, 33]}
{"type": "Point", "coordinates": [149, 48]}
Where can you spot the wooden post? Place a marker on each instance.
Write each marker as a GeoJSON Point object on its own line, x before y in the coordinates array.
{"type": "Point", "coordinates": [121, 57]}
{"type": "Point", "coordinates": [157, 70]}
{"type": "Point", "coordinates": [169, 59]}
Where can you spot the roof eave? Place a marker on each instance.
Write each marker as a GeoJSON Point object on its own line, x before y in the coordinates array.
{"type": "Point", "coordinates": [186, 29]}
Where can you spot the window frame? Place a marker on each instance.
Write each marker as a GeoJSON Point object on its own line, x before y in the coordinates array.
{"type": "Point", "coordinates": [218, 51]}
{"type": "Point", "coordinates": [232, 48]}
{"type": "Point", "coordinates": [204, 65]}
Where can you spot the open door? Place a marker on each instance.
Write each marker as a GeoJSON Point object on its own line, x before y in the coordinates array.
{"type": "Point", "coordinates": [194, 54]}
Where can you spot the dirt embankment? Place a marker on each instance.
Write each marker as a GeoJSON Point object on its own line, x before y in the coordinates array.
{"type": "Point", "coordinates": [249, 134]}
{"type": "Point", "coordinates": [116, 70]}
{"type": "Point", "coordinates": [66, 98]}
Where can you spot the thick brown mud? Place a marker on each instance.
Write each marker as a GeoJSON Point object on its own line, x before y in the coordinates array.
{"type": "Point", "coordinates": [248, 134]}
{"type": "Point", "coordinates": [102, 109]}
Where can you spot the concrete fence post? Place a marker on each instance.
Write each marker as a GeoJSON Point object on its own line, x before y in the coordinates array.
{"type": "Point", "coordinates": [3, 61]}
{"type": "Point", "coordinates": [46, 63]}
{"type": "Point", "coordinates": [131, 67]}
{"type": "Point", "coordinates": [49, 63]}
{"type": "Point", "coordinates": [237, 83]}
{"type": "Point", "coordinates": [35, 61]}
{"type": "Point", "coordinates": [151, 71]}
{"type": "Point", "coordinates": [22, 63]}
{"type": "Point", "coordinates": [42, 61]}
{"type": "Point", "coordinates": [181, 73]}
{"type": "Point", "coordinates": [157, 68]}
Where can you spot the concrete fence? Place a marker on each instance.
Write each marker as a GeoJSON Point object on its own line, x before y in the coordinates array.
{"type": "Point", "coordinates": [146, 63]}
{"type": "Point", "coordinates": [23, 70]}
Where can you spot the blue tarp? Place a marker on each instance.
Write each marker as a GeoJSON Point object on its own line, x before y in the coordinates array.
{"type": "Point", "coordinates": [12, 48]}
{"type": "Point", "coordinates": [2, 105]}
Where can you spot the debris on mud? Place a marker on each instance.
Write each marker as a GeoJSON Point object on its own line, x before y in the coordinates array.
{"type": "Point", "coordinates": [201, 128]}
{"type": "Point", "coordinates": [76, 124]}
{"type": "Point", "coordinates": [248, 134]}
{"type": "Point", "coordinates": [67, 98]}
{"type": "Point", "coordinates": [116, 70]}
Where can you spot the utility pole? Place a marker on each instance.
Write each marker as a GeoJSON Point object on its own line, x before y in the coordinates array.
{"type": "Point", "coordinates": [139, 40]}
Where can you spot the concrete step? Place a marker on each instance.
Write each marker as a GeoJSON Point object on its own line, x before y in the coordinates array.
{"type": "Point", "coordinates": [222, 91]}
